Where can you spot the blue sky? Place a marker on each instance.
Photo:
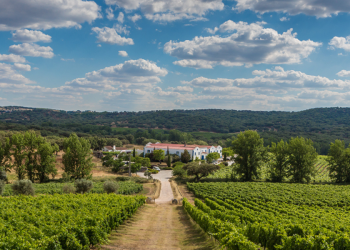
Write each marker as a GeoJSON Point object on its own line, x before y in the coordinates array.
{"type": "Point", "coordinates": [118, 55]}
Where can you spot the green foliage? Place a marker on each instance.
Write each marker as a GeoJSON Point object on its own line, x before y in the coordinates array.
{"type": "Point", "coordinates": [68, 189]}
{"type": "Point", "coordinates": [19, 155]}
{"type": "Point", "coordinates": [117, 165]}
{"type": "Point", "coordinates": [83, 186]}
{"type": "Point", "coordinates": [2, 187]}
{"type": "Point", "coordinates": [153, 171]}
{"type": "Point", "coordinates": [135, 167]}
{"type": "Point", "coordinates": [200, 170]}
{"type": "Point", "coordinates": [46, 162]}
{"type": "Point", "coordinates": [185, 156]}
{"type": "Point", "coordinates": [24, 187]}
{"type": "Point", "coordinates": [275, 216]}
{"type": "Point", "coordinates": [63, 221]}
{"type": "Point", "coordinates": [158, 154]}
{"type": "Point", "coordinates": [302, 158]}
{"type": "Point", "coordinates": [251, 154]}
{"type": "Point", "coordinates": [5, 147]}
{"type": "Point", "coordinates": [148, 174]}
{"type": "Point", "coordinates": [110, 187]}
{"type": "Point", "coordinates": [339, 161]}
{"type": "Point", "coordinates": [279, 164]}
{"type": "Point", "coordinates": [168, 158]}
{"type": "Point", "coordinates": [144, 161]}
{"type": "Point", "coordinates": [77, 159]}
{"type": "Point", "coordinates": [3, 175]}
{"type": "Point", "coordinates": [178, 171]}
{"type": "Point", "coordinates": [227, 152]}
{"type": "Point", "coordinates": [211, 157]}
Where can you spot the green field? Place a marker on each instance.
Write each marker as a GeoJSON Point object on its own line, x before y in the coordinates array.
{"type": "Point", "coordinates": [273, 215]}
{"type": "Point", "coordinates": [56, 222]}
{"type": "Point", "coordinates": [125, 187]}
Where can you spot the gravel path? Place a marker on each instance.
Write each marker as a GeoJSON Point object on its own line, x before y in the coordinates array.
{"type": "Point", "coordinates": [166, 193]}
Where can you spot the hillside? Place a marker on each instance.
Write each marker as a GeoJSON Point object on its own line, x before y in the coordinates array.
{"type": "Point", "coordinates": [322, 125]}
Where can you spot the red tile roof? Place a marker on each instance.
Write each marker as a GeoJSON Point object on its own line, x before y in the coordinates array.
{"type": "Point", "coordinates": [176, 146]}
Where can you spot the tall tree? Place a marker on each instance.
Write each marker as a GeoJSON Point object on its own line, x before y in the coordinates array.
{"type": "Point", "coordinates": [32, 140]}
{"type": "Point", "coordinates": [279, 165]}
{"type": "Point", "coordinates": [168, 158]}
{"type": "Point", "coordinates": [46, 162]}
{"type": "Point", "coordinates": [302, 157]}
{"type": "Point", "coordinates": [158, 154]}
{"type": "Point", "coordinates": [19, 155]}
{"type": "Point", "coordinates": [251, 154]}
{"type": "Point", "coordinates": [339, 162]}
{"type": "Point", "coordinates": [77, 159]}
{"type": "Point", "coordinates": [5, 155]}
{"type": "Point", "coordinates": [227, 152]}
{"type": "Point", "coordinates": [134, 153]}
{"type": "Point", "coordinates": [185, 156]}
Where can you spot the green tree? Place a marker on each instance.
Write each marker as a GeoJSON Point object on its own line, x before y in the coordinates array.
{"type": "Point", "coordinates": [77, 159]}
{"type": "Point", "coordinates": [46, 165]}
{"type": "Point", "coordinates": [168, 158]}
{"type": "Point", "coordinates": [185, 156]}
{"type": "Point", "coordinates": [19, 155]}
{"type": "Point", "coordinates": [5, 155]}
{"type": "Point", "coordinates": [227, 152]}
{"type": "Point", "coordinates": [158, 154]}
{"type": "Point", "coordinates": [211, 157]}
{"type": "Point", "coordinates": [200, 170]}
{"type": "Point", "coordinates": [117, 165]}
{"type": "Point", "coordinates": [134, 153]}
{"type": "Point", "coordinates": [135, 167]}
{"type": "Point", "coordinates": [302, 157]}
{"type": "Point", "coordinates": [32, 141]}
{"type": "Point", "coordinates": [179, 171]}
{"type": "Point", "coordinates": [339, 162]}
{"type": "Point", "coordinates": [279, 165]}
{"type": "Point", "coordinates": [251, 154]}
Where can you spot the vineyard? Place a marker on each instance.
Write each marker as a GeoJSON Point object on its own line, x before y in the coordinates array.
{"type": "Point", "coordinates": [273, 216]}
{"type": "Point", "coordinates": [125, 187]}
{"type": "Point", "coordinates": [62, 221]}
{"type": "Point", "coordinates": [321, 172]}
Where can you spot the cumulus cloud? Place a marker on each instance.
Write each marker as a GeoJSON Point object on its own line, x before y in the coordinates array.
{"type": "Point", "coordinates": [283, 19]}
{"type": "Point", "coordinates": [23, 67]}
{"type": "Point", "coordinates": [344, 73]}
{"type": "Point", "coordinates": [43, 14]}
{"type": "Point", "coordinates": [110, 36]}
{"type": "Point", "coordinates": [249, 44]}
{"type": "Point", "coordinates": [120, 17]}
{"type": "Point", "coordinates": [30, 36]}
{"type": "Point", "coordinates": [181, 89]}
{"type": "Point", "coordinates": [32, 49]}
{"type": "Point", "coordinates": [134, 18]}
{"type": "Point", "coordinates": [130, 73]}
{"type": "Point", "coordinates": [12, 58]}
{"type": "Point", "coordinates": [318, 8]}
{"type": "Point", "coordinates": [9, 75]}
{"type": "Point", "coordinates": [123, 53]}
{"type": "Point", "coordinates": [110, 14]}
{"type": "Point", "coordinates": [340, 43]}
{"type": "Point", "coordinates": [170, 10]}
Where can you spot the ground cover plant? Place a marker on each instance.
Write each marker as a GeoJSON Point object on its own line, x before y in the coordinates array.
{"type": "Point", "coordinates": [62, 221]}
{"type": "Point", "coordinates": [125, 187]}
{"type": "Point", "coordinates": [273, 215]}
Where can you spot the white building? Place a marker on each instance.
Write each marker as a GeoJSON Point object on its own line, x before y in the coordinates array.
{"type": "Point", "coordinates": [196, 151]}
{"type": "Point", "coordinates": [116, 149]}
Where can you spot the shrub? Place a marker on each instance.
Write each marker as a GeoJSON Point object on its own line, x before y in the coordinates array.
{"type": "Point", "coordinates": [179, 171]}
{"type": "Point", "coordinates": [148, 174]}
{"type": "Point", "coordinates": [2, 187]}
{"type": "Point", "coordinates": [123, 178]}
{"type": "Point", "coordinates": [68, 189]}
{"type": "Point", "coordinates": [110, 187]}
{"type": "Point", "coordinates": [3, 175]}
{"type": "Point", "coordinates": [153, 171]}
{"type": "Point", "coordinates": [24, 187]}
{"type": "Point", "coordinates": [82, 186]}
{"type": "Point", "coordinates": [175, 158]}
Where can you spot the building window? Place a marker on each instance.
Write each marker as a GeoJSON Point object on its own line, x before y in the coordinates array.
{"type": "Point", "coordinates": [177, 152]}
{"type": "Point", "coordinates": [148, 151]}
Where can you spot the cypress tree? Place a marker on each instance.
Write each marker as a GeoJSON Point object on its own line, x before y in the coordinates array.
{"type": "Point", "coordinates": [134, 153]}
{"type": "Point", "coordinates": [169, 160]}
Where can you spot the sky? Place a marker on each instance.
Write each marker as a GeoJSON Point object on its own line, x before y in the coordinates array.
{"type": "Point", "coordinates": [136, 55]}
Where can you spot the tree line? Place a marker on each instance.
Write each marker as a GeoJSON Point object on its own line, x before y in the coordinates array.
{"type": "Point", "coordinates": [32, 156]}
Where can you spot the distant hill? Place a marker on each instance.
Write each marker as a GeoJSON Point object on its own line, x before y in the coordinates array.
{"type": "Point", "coordinates": [323, 125]}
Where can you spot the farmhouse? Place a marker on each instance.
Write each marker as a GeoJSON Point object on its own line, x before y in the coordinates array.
{"type": "Point", "coordinates": [196, 151]}
{"type": "Point", "coordinates": [116, 149]}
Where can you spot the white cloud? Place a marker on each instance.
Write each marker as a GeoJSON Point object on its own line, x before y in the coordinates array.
{"type": "Point", "coordinates": [121, 29]}
{"type": "Point", "coordinates": [67, 60]}
{"type": "Point", "coordinates": [12, 58]}
{"type": "Point", "coordinates": [110, 14]}
{"type": "Point", "coordinates": [135, 18]}
{"type": "Point", "coordinates": [121, 17]}
{"type": "Point", "coordinates": [30, 36]}
{"type": "Point", "coordinates": [283, 19]}
{"type": "Point", "coordinates": [181, 89]}
{"type": "Point", "coordinates": [318, 8]}
{"type": "Point", "coordinates": [43, 14]}
{"type": "Point", "coordinates": [32, 49]}
{"type": "Point", "coordinates": [170, 10]}
{"type": "Point", "coordinates": [340, 43]}
{"type": "Point", "coordinates": [110, 36]}
{"type": "Point", "coordinates": [9, 75]}
{"type": "Point", "coordinates": [130, 73]}
{"type": "Point", "coordinates": [23, 67]}
{"type": "Point", "coordinates": [344, 73]}
{"type": "Point", "coordinates": [123, 53]}
{"type": "Point", "coordinates": [249, 44]}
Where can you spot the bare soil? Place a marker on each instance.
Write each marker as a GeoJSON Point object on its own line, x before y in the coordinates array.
{"type": "Point", "coordinates": [160, 226]}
